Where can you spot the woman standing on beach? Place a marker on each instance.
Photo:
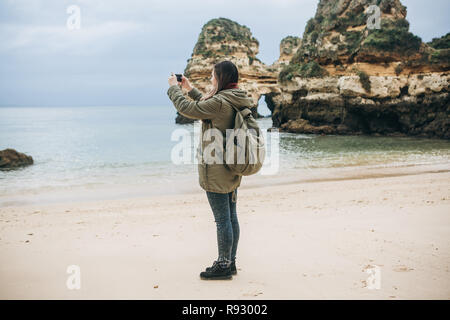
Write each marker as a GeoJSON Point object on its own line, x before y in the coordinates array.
{"type": "Point", "coordinates": [216, 111]}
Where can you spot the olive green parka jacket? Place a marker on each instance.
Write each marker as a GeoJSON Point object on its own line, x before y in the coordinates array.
{"type": "Point", "coordinates": [214, 177]}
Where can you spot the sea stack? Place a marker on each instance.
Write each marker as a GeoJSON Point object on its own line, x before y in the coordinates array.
{"type": "Point", "coordinates": [223, 39]}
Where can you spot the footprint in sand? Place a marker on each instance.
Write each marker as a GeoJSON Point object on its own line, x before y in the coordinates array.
{"type": "Point", "coordinates": [364, 283]}
{"type": "Point", "coordinates": [402, 268]}
{"type": "Point", "coordinates": [370, 266]}
{"type": "Point", "coordinates": [255, 294]}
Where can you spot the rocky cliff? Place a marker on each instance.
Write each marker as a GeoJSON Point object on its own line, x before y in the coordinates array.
{"type": "Point", "coordinates": [341, 77]}
{"type": "Point", "coordinates": [223, 39]}
{"type": "Point", "coordinates": [346, 78]}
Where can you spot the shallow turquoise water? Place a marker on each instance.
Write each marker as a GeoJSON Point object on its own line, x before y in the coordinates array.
{"type": "Point", "coordinates": [89, 147]}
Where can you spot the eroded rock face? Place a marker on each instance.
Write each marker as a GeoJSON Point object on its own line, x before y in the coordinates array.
{"type": "Point", "coordinates": [341, 77]}
{"type": "Point", "coordinates": [401, 105]}
{"type": "Point", "coordinates": [381, 87]}
{"type": "Point", "coordinates": [303, 126]}
{"type": "Point", "coordinates": [355, 80]}
{"type": "Point", "coordinates": [10, 158]}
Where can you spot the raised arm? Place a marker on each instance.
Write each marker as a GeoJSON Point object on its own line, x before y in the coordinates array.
{"type": "Point", "coordinates": [207, 109]}
{"type": "Point", "coordinates": [195, 94]}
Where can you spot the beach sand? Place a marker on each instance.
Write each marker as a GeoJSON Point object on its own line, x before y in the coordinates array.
{"type": "Point", "coordinates": [299, 240]}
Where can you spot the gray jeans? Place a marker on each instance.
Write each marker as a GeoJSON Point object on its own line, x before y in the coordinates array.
{"type": "Point", "coordinates": [225, 216]}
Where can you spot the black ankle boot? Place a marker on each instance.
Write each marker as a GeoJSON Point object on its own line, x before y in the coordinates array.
{"type": "Point", "coordinates": [216, 272]}
{"type": "Point", "coordinates": [232, 267]}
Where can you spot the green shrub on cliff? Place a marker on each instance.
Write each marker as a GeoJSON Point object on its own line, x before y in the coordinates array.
{"type": "Point", "coordinates": [353, 40]}
{"type": "Point", "coordinates": [387, 5]}
{"type": "Point", "coordinates": [305, 70]}
{"type": "Point", "coordinates": [399, 69]}
{"type": "Point", "coordinates": [440, 43]}
{"type": "Point", "coordinates": [364, 79]}
{"type": "Point", "coordinates": [310, 25]}
{"type": "Point", "coordinates": [393, 36]}
{"type": "Point", "coordinates": [440, 56]}
{"type": "Point", "coordinates": [351, 19]}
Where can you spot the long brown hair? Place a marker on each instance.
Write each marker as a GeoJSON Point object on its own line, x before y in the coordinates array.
{"type": "Point", "coordinates": [225, 73]}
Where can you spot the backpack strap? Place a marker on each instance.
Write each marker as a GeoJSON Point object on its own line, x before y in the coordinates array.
{"type": "Point", "coordinates": [245, 112]}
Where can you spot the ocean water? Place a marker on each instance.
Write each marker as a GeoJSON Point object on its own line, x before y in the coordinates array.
{"type": "Point", "coordinates": [110, 152]}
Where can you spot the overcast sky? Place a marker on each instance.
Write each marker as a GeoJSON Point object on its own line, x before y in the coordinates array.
{"type": "Point", "coordinates": [125, 49]}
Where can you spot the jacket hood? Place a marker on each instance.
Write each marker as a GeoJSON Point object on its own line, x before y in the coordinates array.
{"type": "Point", "coordinates": [237, 97]}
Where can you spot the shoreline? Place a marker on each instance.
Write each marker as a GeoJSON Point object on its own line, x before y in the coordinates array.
{"type": "Point", "coordinates": [188, 184]}
{"type": "Point", "coordinates": [331, 233]}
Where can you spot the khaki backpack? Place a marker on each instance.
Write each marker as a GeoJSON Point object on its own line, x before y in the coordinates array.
{"type": "Point", "coordinates": [245, 148]}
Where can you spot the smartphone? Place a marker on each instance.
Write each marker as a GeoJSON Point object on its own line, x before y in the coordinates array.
{"type": "Point", "coordinates": [179, 77]}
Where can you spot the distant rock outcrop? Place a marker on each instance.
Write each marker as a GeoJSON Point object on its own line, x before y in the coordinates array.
{"type": "Point", "coordinates": [10, 158]}
{"type": "Point", "coordinates": [288, 48]}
